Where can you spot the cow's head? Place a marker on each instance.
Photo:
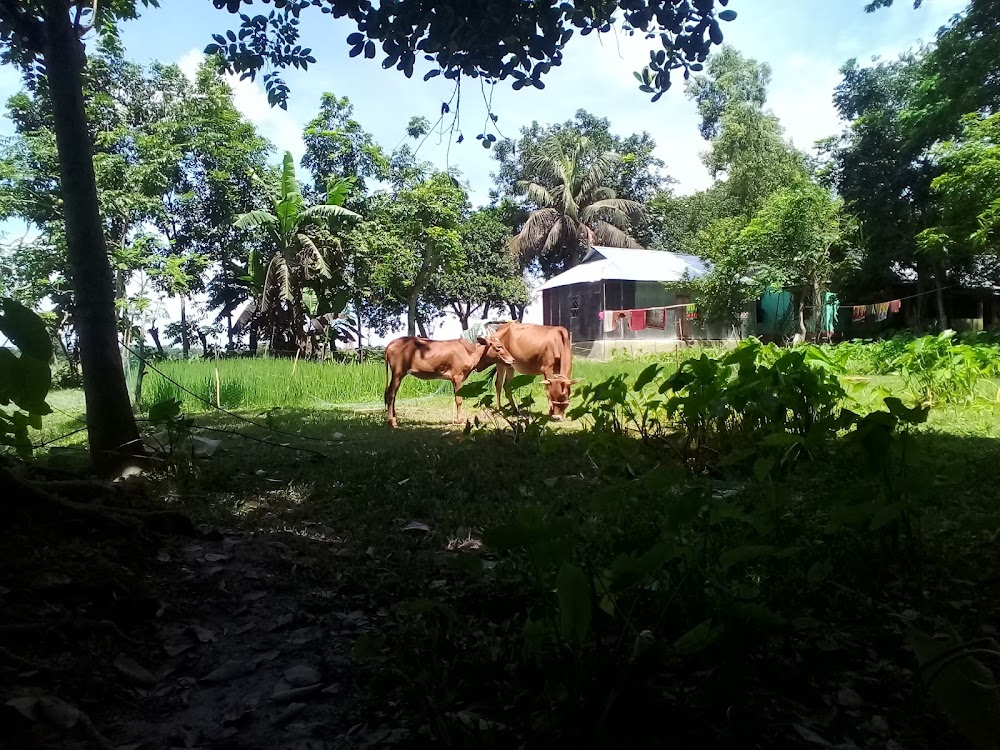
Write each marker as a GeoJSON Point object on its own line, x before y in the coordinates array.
{"type": "Point", "coordinates": [557, 388]}
{"type": "Point", "coordinates": [495, 350]}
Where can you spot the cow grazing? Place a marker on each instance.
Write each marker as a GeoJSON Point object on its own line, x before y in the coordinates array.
{"type": "Point", "coordinates": [452, 360]}
{"type": "Point", "coordinates": [539, 350]}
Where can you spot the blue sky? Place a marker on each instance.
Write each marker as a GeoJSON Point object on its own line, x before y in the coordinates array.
{"type": "Point", "coordinates": [804, 41]}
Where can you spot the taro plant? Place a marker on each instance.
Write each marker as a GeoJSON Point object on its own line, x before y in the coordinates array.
{"type": "Point", "coordinates": [936, 369]}
{"type": "Point", "coordinates": [520, 422]}
{"type": "Point", "coordinates": [25, 377]}
{"type": "Point", "coordinates": [718, 412]}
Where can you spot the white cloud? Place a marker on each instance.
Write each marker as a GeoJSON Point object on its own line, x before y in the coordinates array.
{"type": "Point", "coordinates": [274, 123]}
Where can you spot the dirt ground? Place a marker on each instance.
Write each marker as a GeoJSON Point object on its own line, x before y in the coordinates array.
{"type": "Point", "coordinates": [240, 646]}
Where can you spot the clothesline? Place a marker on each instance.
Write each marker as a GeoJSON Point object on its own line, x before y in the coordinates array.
{"type": "Point", "coordinates": [900, 299]}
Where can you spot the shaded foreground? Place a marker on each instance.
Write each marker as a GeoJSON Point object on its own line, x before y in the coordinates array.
{"type": "Point", "coordinates": [351, 600]}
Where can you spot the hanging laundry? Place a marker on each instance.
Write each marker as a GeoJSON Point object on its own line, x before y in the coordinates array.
{"type": "Point", "coordinates": [870, 310]}
{"type": "Point", "coordinates": [692, 312]}
{"type": "Point", "coordinates": [881, 311]}
{"type": "Point", "coordinates": [656, 318]}
{"type": "Point", "coordinates": [895, 306]}
{"type": "Point", "coordinates": [637, 320]}
{"type": "Point", "coordinates": [608, 316]}
{"type": "Point", "coordinates": [858, 313]}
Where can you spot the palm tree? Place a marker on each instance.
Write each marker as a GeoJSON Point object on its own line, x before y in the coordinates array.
{"type": "Point", "coordinates": [574, 209]}
{"type": "Point", "coordinates": [296, 260]}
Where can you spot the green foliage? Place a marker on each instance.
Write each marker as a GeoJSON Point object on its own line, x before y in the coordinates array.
{"type": "Point", "coordinates": [514, 416]}
{"type": "Point", "coordinates": [337, 146]}
{"type": "Point", "coordinates": [487, 274]}
{"type": "Point", "coordinates": [25, 378]}
{"type": "Point", "coordinates": [572, 207]}
{"type": "Point", "coordinates": [935, 368]}
{"type": "Point", "coordinates": [968, 193]}
{"type": "Point", "coordinates": [757, 402]}
{"type": "Point", "coordinates": [261, 383]}
{"type": "Point", "coordinates": [499, 47]}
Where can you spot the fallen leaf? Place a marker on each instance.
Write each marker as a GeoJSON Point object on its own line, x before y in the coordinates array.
{"type": "Point", "coordinates": [173, 648]}
{"type": "Point", "coordinates": [132, 670]}
{"type": "Point", "coordinates": [848, 698]}
{"type": "Point", "coordinates": [550, 482]}
{"type": "Point", "coordinates": [401, 482]}
{"type": "Point", "coordinates": [163, 556]}
{"type": "Point", "coordinates": [282, 621]}
{"type": "Point", "coordinates": [203, 634]}
{"type": "Point", "coordinates": [204, 447]}
{"type": "Point", "coordinates": [25, 706]}
{"type": "Point", "coordinates": [303, 635]}
{"type": "Point", "coordinates": [291, 711]}
{"type": "Point", "coordinates": [416, 526]}
{"type": "Point", "coordinates": [228, 671]}
{"type": "Point", "coordinates": [337, 436]}
{"type": "Point", "coordinates": [302, 675]}
{"type": "Point", "coordinates": [235, 713]}
{"type": "Point", "coordinates": [286, 696]}
{"type": "Point", "coordinates": [258, 660]}
{"type": "Point", "coordinates": [810, 736]}
{"type": "Point", "coordinates": [245, 628]}
{"type": "Point", "coordinates": [215, 557]}
{"type": "Point", "coordinates": [58, 713]}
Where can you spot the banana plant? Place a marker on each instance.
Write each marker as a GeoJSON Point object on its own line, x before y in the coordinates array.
{"type": "Point", "coordinates": [295, 257]}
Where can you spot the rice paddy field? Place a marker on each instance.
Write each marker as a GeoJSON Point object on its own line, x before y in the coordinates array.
{"type": "Point", "coordinates": [260, 384]}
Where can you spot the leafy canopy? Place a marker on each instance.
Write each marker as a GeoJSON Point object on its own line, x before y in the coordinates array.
{"type": "Point", "coordinates": [495, 40]}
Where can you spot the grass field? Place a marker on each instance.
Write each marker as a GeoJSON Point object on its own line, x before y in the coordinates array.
{"type": "Point", "coordinates": [262, 384]}
{"type": "Point", "coordinates": [768, 608]}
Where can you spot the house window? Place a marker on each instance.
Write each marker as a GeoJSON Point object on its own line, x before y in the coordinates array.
{"type": "Point", "coordinates": [574, 307]}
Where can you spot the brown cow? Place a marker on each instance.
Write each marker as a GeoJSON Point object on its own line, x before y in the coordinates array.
{"type": "Point", "coordinates": [539, 350]}
{"type": "Point", "coordinates": [450, 360]}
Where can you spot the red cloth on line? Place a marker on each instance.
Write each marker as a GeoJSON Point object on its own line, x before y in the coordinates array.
{"type": "Point", "coordinates": [637, 320]}
{"type": "Point", "coordinates": [895, 305]}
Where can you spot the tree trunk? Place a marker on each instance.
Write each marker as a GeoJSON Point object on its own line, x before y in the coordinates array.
{"type": "Point", "coordinates": [517, 312]}
{"type": "Point", "coordinates": [185, 333]}
{"type": "Point", "coordinates": [486, 311]}
{"type": "Point", "coordinates": [939, 296]}
{"type": "Point", "coordinates": [802, 314]}
{"type": "Point", "coordinates": [818, 309]}
{"type": "Point", "coordinates": [254, 329]}
{"type": "Point", "coordinates": [110, 423]}
{"type": "Point", "coordinates": [360, 329]}
{"type": "Point", "coordinates": [154, 333]}
{"type": "Point", "coordinates": [411, 314]}
{"type": "Point", "coordinates": [422, 328]}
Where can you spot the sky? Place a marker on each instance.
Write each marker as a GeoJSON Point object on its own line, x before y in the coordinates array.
{"type": "Point", "coordinates": [804, 41]}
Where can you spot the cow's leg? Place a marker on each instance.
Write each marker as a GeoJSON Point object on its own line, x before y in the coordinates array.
{"type": "Point", "coordinates": [508, 374]}
{"type": "Point", "coordinates": [390, 398]}
{"type": "Point", "coordinates": [456, 384]}
{"type": "Point", "coordinates": [501, 378]}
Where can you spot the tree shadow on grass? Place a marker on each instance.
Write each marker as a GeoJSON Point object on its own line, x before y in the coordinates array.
{"type": "Point", "coordinates": [315, 553]}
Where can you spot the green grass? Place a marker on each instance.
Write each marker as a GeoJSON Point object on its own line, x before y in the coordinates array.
{"type": "Point", "coordinates": [369, 484]}
{"type": "Point", "coordinates": [261, 384]}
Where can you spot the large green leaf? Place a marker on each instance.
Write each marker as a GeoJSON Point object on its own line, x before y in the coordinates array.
{"type": "Point", "coordinates": [255, 219]}
{"type": "Point", "coordinates": [963, 688]}
{"type": "Point", "coordinates": [328, 211]}
{"type": "Point", "coordinates": [24, 381]}
{"type": "Point", "coordinates": [573, 592]}
{"type": "Point", "coordinates": [25, 329]}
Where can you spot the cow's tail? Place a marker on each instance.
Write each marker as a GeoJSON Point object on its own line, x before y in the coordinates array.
{"type": "Point", "coordinates": [386, 369]}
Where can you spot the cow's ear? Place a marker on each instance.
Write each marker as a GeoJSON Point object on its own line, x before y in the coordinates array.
{"type": "Point", "coordinates": [481, 340]}
{"type": "Point", "coordinates": [546, 381]}
{"type": "Point", "coordinates": [574, 381]}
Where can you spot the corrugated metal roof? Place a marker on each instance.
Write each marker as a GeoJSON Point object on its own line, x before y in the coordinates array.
{"type": "Point", "coordinates": [613, 263]}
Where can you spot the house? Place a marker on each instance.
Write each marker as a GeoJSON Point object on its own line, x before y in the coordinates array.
{"type": "Point", "coordinates": [618, 300]}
